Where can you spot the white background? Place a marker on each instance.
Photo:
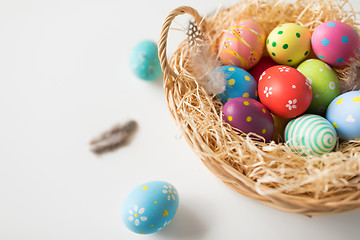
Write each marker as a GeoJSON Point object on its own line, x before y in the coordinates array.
{"type": "Point", "coordinates": [64, 78]}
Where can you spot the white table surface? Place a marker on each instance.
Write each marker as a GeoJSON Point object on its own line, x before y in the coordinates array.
{"type": "Point", "coordinates": [64, 78]}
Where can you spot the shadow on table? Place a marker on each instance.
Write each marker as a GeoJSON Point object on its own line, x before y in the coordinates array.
{"type": "Point", "coordinates": [185, 225]}
{"type": "Point", "coordinates": [339, 225]}
{"type": "Point", "coordinates": [159, 82]}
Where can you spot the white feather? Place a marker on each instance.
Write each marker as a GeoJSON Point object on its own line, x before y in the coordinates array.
{"type": "Point", "coordinates": [203, 65]}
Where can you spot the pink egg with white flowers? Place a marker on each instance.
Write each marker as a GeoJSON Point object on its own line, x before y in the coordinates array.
{"type": "Point", "coordinates": [335, 43]}
{"type": "Point", "coordinates": [242, 44]}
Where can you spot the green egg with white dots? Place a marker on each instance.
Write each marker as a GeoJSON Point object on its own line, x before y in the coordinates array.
{"type": "Point", "coordinates": [289, 44]}
{"type": "Point", "coordinates": [324, 83]}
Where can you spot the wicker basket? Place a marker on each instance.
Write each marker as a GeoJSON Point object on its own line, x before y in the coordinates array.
{"type": "Point", "coordinates": [229, 155]}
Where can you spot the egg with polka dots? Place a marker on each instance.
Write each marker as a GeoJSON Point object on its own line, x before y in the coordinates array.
{"type": "Point", "coordinates": [289, 44]}
{"type": "Point", "coordinates": [344, 114]}
{"type": "Point", "coordinates": [335, 43]}
{"type": "Point", "coordinates": [150, 207]}
{"type": "Point", "coordinates": [284, 91]}
{"type": "Point", "coordinates": [239, 83]}
{"type": "Point", "coordinates": [324, 83]}
{"type": "Point", "coordinates": [249, 116]}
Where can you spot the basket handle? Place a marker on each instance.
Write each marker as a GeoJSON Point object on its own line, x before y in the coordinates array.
{"type": "Point", "coordinates": [164, 35]}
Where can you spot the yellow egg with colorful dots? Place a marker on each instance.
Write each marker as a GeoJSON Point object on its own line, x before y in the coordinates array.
{"type": "Point", "coordinates": [289, 44]}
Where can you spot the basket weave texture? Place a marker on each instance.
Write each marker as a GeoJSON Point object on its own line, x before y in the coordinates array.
{"type": "Point", "coordinates": [268, 172]}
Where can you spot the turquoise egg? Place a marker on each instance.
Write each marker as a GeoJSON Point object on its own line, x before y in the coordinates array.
{"type": "Point", "coordinates": [239, 83]}
{"type": "Point", "coordinates": [344, 114]}
{"type": "Point", "coordinates": [144, 61]}
{"type": "Point", "coordinates": [150, 207]}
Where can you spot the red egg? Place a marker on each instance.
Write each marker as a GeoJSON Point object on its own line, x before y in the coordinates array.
{"type": "Point", "coordinates": [264, 63]}
{"type": "Point", "coordinates": [284, 91]}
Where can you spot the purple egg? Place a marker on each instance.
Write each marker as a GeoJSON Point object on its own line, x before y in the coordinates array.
{"type": "Point", "coordinates": [249, 115]}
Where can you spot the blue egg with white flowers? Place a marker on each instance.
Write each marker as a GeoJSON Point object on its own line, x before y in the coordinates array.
{"type": "Point", "coordinates": [150, 207]}
{"type": "Point", "coordinates": [239, 83]}
{"type": "Point", "coordinates": [344, 114]}
{"type": "Point", "coordinates": [144, 61]}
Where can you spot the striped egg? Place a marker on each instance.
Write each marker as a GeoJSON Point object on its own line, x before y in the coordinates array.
{"type": "Point", "coordinates": [310, 134]}
{"type": "Point", "coordinates": [242, 44]}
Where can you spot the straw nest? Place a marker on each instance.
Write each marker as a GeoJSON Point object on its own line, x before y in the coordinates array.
{"type": "Point", "coordinates": [268, 172]}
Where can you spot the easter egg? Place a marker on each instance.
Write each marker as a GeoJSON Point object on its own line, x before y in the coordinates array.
{"type": "Point", "coordinates": [239, 83]}
{"type": "Point", "coordinates": [284, 91]}
{"type": "Point", "coordinates": [144, 61]}
{"type": "Point", "coordinates": [324, 84]}
{"type": "Point", "coordinates": [279, 124]}
{"type": "Point", "coordinates": [289, 44]}
{"type": "Point", "coordinates": [150, 207]}
{"type": "Point", "coordinates": [344, 114]}
{"type": "Point", "coordinates": [249, 115]}
{"type": "Point", "coordinates": [242, 44]}
{"type": "Point", "coordinates": [310, 134]}
{"type": "Point", "coordinates": [335, 42]}
{"type": "Point", "coordinates": [264, 63]}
